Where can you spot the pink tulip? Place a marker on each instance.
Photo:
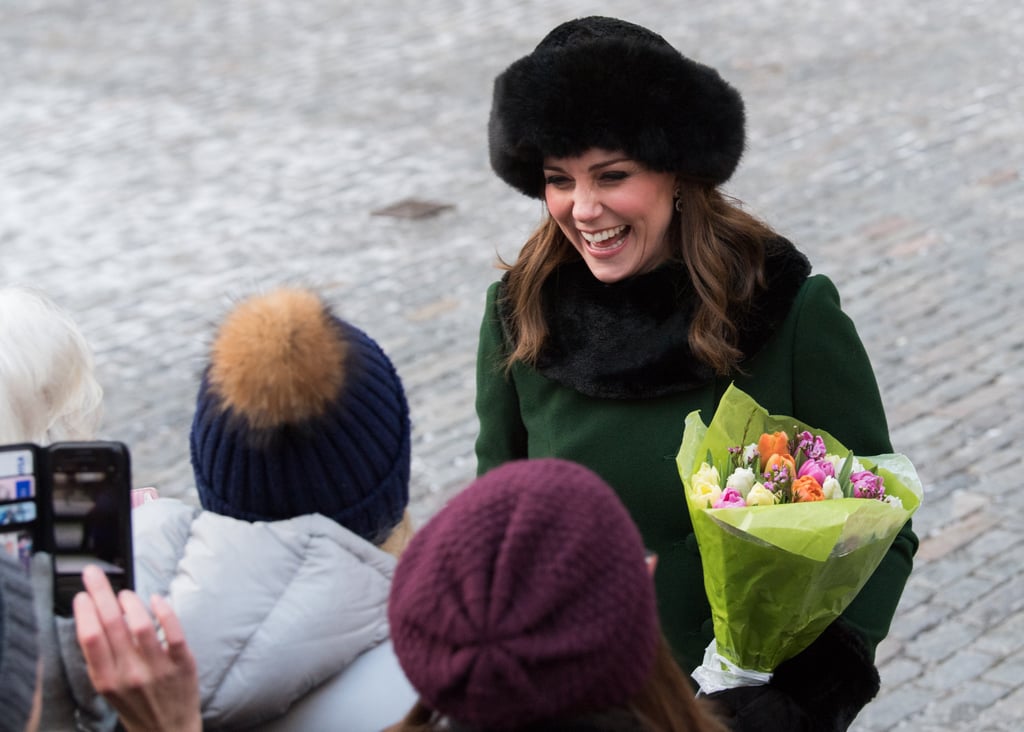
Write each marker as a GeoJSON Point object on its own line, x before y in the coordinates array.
{"type": "Point", "coordinates": [731, 498]}
{"type": "Point", "coordinates": [817, 469]}
{"type": "Point", "coordinates": [867, 485]}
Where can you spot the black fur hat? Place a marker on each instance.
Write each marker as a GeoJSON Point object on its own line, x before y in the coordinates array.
{"type": "Point", "coordinates": [603, 82]}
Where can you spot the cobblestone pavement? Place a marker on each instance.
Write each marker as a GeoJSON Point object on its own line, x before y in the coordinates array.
{"type": "Point", "coordinates": [159, 160]}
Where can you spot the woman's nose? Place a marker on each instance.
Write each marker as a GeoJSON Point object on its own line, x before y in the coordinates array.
{"type": "Point", "coordinates": [586, 206]}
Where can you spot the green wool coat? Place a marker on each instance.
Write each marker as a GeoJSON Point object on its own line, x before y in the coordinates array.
{"type": "Point", "coordinates": [814, 368]}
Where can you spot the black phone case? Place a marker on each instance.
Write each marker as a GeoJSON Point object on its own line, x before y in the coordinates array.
{"type": "Point", "coordinates": [103, 531]}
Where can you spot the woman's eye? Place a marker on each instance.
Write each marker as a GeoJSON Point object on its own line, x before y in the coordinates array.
{"type": "Point", "coordinates": [614, 175]}
{"type": "Point", "coordinates": [556, 180]}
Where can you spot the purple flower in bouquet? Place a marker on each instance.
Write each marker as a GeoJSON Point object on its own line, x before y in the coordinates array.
{"type": "Point", "coordinates": [819, 469]}
{"type": "Point", "coordinates": [867, 485]}
{"type": "Point", "coordinates": [813, 446]}
{"type": "Point", "coordinates": [780, 468]}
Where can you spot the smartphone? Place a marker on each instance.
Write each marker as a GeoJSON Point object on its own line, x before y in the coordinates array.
{"type": "Point", "coordinates": [88, 516]}
{"type": "Point", "coordinates": [73, 500]}
{"type": "Point", "coordinates": [20, 528]}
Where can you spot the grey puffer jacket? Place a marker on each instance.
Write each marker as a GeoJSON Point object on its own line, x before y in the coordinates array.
{"type": "Point", "coordinates": [277, 615]}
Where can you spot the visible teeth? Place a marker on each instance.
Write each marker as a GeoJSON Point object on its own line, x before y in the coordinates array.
{"type": "Point", "coordinates": [603, 235]}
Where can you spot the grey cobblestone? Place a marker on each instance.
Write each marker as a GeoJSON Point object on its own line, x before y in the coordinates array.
{"type": "Point", "coordinates": [889, 711]}
{"type": "Point", "coordinates": [162, 159]}
{"type": "Point", "coordinates": [964, 705]}
{"type": "Point", "coordinates": [959, 670]}
{"type": "Point", "coordinates": [1009, 672]}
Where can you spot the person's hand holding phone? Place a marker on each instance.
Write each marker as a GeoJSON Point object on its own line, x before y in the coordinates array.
{"type": "Point", "coordinates": [152, 685]}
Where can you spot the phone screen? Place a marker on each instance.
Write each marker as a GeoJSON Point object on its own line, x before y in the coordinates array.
{"type": "Point", "coordinates": [18, 510]}
{"type": "Point", "coordinates": [90, 505]}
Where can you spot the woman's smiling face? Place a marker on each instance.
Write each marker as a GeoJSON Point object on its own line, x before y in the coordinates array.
{"type": "Point", "coordinates": [614, 210]}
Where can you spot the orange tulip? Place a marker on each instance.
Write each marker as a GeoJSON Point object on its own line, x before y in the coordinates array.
{"type": "Point", "coordinates": [776, 443]}
{"type": "Point", "coordinates": [780, 460]}
{"type": "Point", "coordinates": [807, 489]}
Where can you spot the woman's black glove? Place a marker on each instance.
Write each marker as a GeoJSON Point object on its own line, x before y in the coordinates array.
{"type": "Point", "coordinates": [760, 709]}
{"type": "Point", "coordinates": [821, 689]}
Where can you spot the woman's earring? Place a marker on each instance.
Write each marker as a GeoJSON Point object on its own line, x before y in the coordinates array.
{"type": "Point", "coordinates": [677, 200]}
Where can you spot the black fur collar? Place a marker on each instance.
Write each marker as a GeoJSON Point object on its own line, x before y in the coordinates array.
{"type": "Point", "coordinates": [629, 339]}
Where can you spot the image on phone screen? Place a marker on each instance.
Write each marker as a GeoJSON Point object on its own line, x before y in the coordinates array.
{"type": "Point", "coordinates": [90, 491]}
{"type": "Point", "coordinates": [18, 511]}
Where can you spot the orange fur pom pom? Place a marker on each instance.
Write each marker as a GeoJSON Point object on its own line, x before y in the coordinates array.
{"type": "Point", "coordinates": [278, 359]}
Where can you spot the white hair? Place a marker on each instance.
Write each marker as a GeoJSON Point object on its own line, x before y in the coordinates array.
{"type": "Point", "coordinates": [48, 391]}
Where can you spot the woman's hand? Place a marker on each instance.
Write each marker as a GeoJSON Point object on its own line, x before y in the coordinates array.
{"type": "Point", "coordinates": [152, 685]}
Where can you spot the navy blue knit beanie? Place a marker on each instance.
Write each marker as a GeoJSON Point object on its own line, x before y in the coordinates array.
{"type": "Point", "coordinates": [300, 412]}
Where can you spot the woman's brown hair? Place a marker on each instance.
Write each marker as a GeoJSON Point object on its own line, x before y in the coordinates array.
{"type": "Point", "coordinates": [721, 245]}
{"type": "Point", "coordinates": [666, 703]}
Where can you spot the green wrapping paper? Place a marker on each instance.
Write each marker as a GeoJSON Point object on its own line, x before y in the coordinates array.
{"type": "Point", "coordinates": [777, 576]}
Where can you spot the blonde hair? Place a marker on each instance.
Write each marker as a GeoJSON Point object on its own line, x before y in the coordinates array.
{"type": "Point", "coordinates": [400, 536]}
{"type": "Point", "coordinates": [48, 391]}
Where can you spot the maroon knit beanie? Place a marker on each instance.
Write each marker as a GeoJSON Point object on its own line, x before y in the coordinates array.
{"type": "Point", "coordinates": [526, 598]}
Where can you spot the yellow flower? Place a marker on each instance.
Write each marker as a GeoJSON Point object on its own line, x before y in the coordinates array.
{"type": "Point", "coordinates": [761, 496]}
{"type": "Point", "coordinates": [706, 486]}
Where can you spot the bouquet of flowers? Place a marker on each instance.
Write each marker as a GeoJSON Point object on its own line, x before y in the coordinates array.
{"type": "Point", "coordinates": [790, 526]}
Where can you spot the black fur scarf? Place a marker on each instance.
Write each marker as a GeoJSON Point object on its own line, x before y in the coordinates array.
{"type": "Point", "coordinates": [630, 339]}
